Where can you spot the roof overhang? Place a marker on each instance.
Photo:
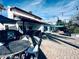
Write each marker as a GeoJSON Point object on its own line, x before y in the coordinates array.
{"type": "Point", "coordinates": [4, 20]}
{"type": "Point", "coordinates": [31, 20]}
{"type": "Point", "coordinates": [19, 12]}
{"type": "Point", "coordinates": [26, 16]}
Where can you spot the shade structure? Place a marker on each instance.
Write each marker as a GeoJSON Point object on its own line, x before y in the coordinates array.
{"type": "Point", "coordinates": [4, 19]}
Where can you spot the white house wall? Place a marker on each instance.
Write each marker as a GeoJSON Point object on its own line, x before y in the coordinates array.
{"type": "Point", "coordinates": [41, 28]}
{"type": "Point", "coordinates": [2, 27]}
{"type": "Point", "coordinates": [10, 14]}
{"type": "Point", "coordinates": [12, 26]}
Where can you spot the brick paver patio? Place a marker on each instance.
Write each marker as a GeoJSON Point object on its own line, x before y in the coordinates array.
{"type": "Point", "coordinates": [54, 49]}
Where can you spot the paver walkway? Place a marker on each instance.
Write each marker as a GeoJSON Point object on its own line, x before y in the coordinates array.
{"type": "Point", "coordinates": [57, 49]}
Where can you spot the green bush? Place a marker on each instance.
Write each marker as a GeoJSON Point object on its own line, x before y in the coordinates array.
{"type": "Point", "coordinates": [76, 30]}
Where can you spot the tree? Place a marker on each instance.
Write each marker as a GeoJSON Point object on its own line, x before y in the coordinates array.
{"type": "Point", "coordinates": [73, 27]}
{"type": "Point", "coordinates": [59, 22]}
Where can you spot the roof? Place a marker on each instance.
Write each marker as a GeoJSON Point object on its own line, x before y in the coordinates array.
{"type": "Point", "coordinates": [26, 12]}
{"type": "Point", "coordinates": [31, 20]}
{"type": "Point", "coordinates": [27, 19]}
{"type": "Point", "coordinates": [4, 19]}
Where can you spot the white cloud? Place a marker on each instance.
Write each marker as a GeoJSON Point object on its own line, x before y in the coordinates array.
{"type": "Point", "coordinates": [68, 9]}
{"type": "Point", "coordinates": [36, 2]}
{"type": "Point", "coordinates": [66, 6]}
{"type": "Point", "coordinates": [52, 20]}
{"type": "Point", "coordinates": [70, 6]}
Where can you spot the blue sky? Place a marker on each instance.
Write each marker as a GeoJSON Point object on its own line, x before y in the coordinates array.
{"type": "Point", "coordinates": [47, 9]}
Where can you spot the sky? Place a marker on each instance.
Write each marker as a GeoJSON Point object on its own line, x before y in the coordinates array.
{"type": "Point", "coordinates": [47, 9]}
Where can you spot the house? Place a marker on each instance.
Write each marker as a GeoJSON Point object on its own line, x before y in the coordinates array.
{"type": "Point", "coordinates": [4, 21]}
{"type": "Point", "coordinates": [26, 19]}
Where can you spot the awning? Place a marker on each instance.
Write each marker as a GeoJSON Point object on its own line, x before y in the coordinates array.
{"type": "Point", "coordinates": [4, 19]}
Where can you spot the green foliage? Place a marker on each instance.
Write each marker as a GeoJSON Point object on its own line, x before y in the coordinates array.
{"type": "Point", "coordinates": [59, 22]}
{"type": "Point", "coordinates": [74, 28]}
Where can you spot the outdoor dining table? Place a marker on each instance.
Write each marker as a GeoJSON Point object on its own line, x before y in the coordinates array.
{"type": "Point", "coordinates": [14, 47]}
